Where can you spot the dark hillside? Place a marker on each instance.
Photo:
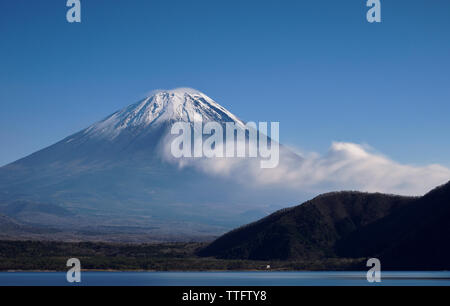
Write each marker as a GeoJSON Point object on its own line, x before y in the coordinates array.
{"type": "Point", "coordinates": [310, 230]}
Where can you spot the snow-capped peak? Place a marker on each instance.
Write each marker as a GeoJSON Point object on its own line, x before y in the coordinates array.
{"type": "Point", "coordinates": [180, 104]}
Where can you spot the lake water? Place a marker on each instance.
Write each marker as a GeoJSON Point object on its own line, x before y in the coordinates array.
{"type": "Point", "coordinates": [225, 279]}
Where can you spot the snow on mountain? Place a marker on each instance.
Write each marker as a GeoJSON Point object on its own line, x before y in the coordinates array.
{"type": "Point", "coordinates": [181, 104]}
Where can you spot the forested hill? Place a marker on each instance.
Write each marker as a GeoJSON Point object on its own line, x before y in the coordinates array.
{"type": "Point", "coordinates": [404, 232]}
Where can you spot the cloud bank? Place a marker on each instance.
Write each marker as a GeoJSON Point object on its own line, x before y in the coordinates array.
{"type": "Point", "coordinates": [350, 166]}
{"type": "Point", "coordinates": [346, 166]}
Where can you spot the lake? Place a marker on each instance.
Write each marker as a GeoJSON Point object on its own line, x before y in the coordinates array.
{"type": "Point", "coordinates": [225, 279]}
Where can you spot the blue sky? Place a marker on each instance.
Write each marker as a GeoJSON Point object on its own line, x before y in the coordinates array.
{"type": "Point", "coordinates": [317, 67]}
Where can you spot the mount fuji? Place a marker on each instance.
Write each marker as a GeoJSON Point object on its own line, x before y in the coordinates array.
{"type": "Point", "coordinates": [113, 180]}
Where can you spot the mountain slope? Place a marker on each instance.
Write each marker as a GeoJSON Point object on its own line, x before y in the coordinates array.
{"type": "Point", "coordinates": [415, 236]}
{"type": "Point", "coordinates": [403, 232]}
{"type": "Point", "coordinates": [7, 224]}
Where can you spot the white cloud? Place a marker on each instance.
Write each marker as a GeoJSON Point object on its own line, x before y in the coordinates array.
{"type": "Point", "coordinates": [349, 166]}
{"type": "Point", "coordinates": [346, 166]}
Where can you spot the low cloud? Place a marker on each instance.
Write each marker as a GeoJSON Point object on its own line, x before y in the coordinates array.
{"type": "Point", "coordinates": [350, 166]}
{"type": "Point", "coordinates": [346, 166]}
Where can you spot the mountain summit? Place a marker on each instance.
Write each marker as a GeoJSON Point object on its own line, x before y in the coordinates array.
{"type": "Point", "coordinates": [162, 107]}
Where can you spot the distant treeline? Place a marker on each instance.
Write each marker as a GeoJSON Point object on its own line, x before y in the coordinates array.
{"type": "Point", "coordinates": [52, 255]}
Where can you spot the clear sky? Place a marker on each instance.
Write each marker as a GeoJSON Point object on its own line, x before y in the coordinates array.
{"type": "Point", "coordinates": [317, 67]}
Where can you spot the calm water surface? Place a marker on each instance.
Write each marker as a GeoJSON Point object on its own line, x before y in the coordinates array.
{"type": "Point", "coordinates": [225, 279]}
